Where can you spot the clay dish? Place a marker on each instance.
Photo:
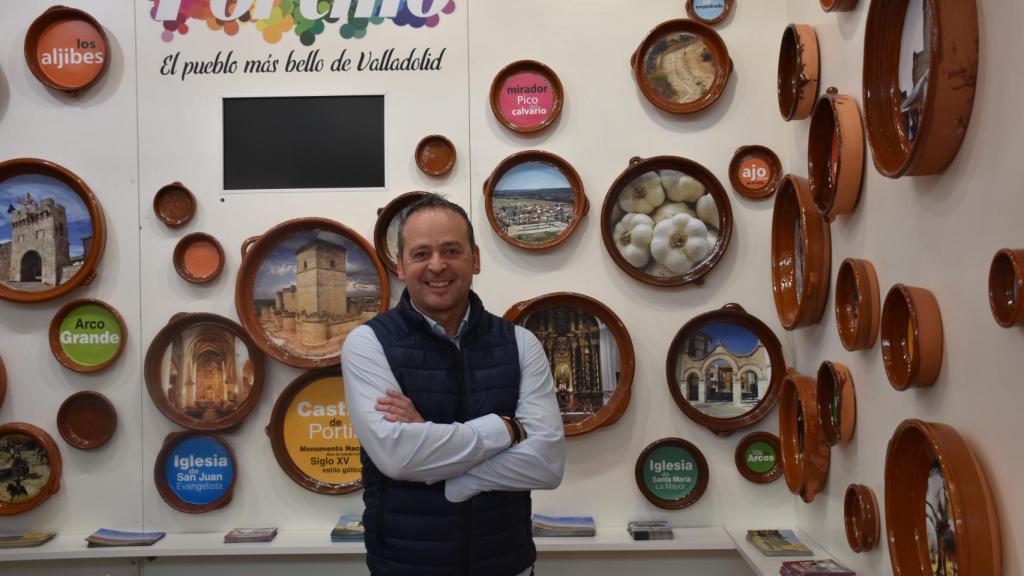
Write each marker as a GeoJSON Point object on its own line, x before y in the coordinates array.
{"type": "Point", "coordinates": [86, 420]}
{"type": "Point", "coordinates": [709, 12]}
{"type": "Point", "coordinates": [798, 71]}
{"type": "Point", "coordinates": [677, 449]}
{"type": "Point", "coordinates": [161, 471]}
{"type": "Point", "coordinates": [435, 155]}
{"type": "Point", "coordinates": [911, 337]}
{"type": "Point", "coordinates": [915, 123]}
{"type": "Point", "coordinates": [1006, 287]}
{"type": "Point", "coordinates": [805, 454]}
{"type": "Point", "coordinates": [526, 96]}
{"type": "Point", "coordinates": [39, 460]}
{"type": "Point", "coordinates": [835, 154]}
{"type": "Point", "coordinates": [801, 255]}
{"type": "Point", "coordinates": [69, 357]}
{"type": "Point", "coordinates": [174, 205]}
{"type": "Point", "coordinates": [838, 5]}
{"type": "Point", "coordinates": [198, 258]}
{"type": "Point", "coordinates": [54, 51]}
{"type": "Point", "coordinates": [858, 304]}
{"type": "Point", "coordinates": [748, 442]}
{"type": "Point", "coordinates": [837, 403]}
{"type": "Point", "coordinates": [860, 514]}
{"type": "Point", "coordinates": [672, 37]}
{"type": "Point", "coordinates": [755, 172]}
{"type": "Point", "coordinates": [385, 231]}
{"type": "Point", "coordinates": [544, 316]}
{"type": "Point", "coordinates": [934, 486]}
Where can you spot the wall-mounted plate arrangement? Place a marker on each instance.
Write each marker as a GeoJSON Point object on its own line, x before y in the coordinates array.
{"type": "Point", "coordinates": [919, 80]}
{"type": "Point", "coordinates": [385, 231]}
{"type": "Point", "coordinates": [672, 473]}
{"type": "Point", "coordinates": [835, 154]}
{"type": "Point", "coordinates": [30, 465]}
{"type": "Point", "coordinates": [591, 356]}
{"type": "Point", "coordinates": [1006, 287]}
{"type": "Point", "coordinates": [56, 228]}
{"type": "Point", "coordinates": [204, 372]}
{"type": "Point", "coordinates": [195, 472]}
{"type": "Point", "coordinates": [805, 453]}
{"type": "Point", "coordinates": [724, 369]}
{"type": "Point", "coordinates": [940, 517]}
{"type": "Point", "coordinates": [301, 318]}
{"type": "Point", "coordinates": [198, 258]}
{"type": "Point", "coordinates": [666, 220]}
{"type": "Point", "coordinates": [860, 514]}
{"type": "Point", "coordinates": [309, 417]}
{"type": "Point", "coordinates": [911, 337]}
{"type": "Point", "coordinates": [66, 49]}
{"type": "Point", "coordinates": [799, 69]}
{"type": "Point", "coordinates": [174, 205]}
{"type": "Point", "coordinates": [801, 255]}
{"type": "Point", "coordinates": [526, 96]}
{"type": "Point", "coordinates": [435, 155]}
{"type": "Point", "coordinates": [534, 199]}
{"type": "Point", "coordinates": [837, 403]}
{"type": "Point", "coordinates": [709, 11]}
{"type": "Point", "coordinates": [755, 172]}
{"type": "Point", "coordinates": [86, 420]}
{"type": "Point", "coordinates": [838, 5]}
{"type": "Point", "coordinates": [87, 335]}
{"type": "Point", "coordinates": [758, 457]}
{"type": "Point", "coordinates": [858, 304]}
{"type": "Point", "coordinates": [682, 66]}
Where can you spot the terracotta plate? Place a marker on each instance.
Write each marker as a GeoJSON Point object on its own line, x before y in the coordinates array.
{"type": "Point", "coordinates": [526, 96]}
{"type": "Point", "coordinates": [838, 5]}
{"type": "Point", "coordinates": [709, 11]}
{"type": "Point", "coordinates": [759, 457]}
{"type": "Point", "coordinates": [835, 154]}
{"type": "Point", "coordinates": [672, 473]}
{"type": "Point", "coordinates": [682, 66]}
{"type": "Point", "coordinates": [385, 231]}
{"type": "Point", "coordinates": [87, 335]}
{"type": "Point", "coordinates": [755, 172]}
{"type": "Point", "coordinates": [799, 69]}
{"type": "Point", "coordinates": [66, 49]}
{"type": "Point", "coordinates": [858, 304]}
{"type": "Point", "coordinates": [195, 472]}
{"type": "Point", "coordinates": [912, 339]}
{"type": "Point", "coordinates": [837, 403]}
{"type": "Point", "coordinates": [801, 255]}
{"type": "Point", "coordinates": [805, 453]}
{"type": "Point", "coordinates": [174, 204]}
{"type": "Point", "coordinates": [198, 258]}
{"type": "Point", "coordinates": [30, 465]}
{"type": "Point", "coordinates": [3, 383]}
{"type": "Point", "coordinates": [435, 155]}
{"type": "Point", "coordinates": [1006, 287]}
{"type": "Point", "coordinates": [860, 514]}
{"type": "Point", "coordinates": [86, 420]}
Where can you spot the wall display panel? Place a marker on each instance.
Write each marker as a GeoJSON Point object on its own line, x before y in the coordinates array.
{"type": "Point", "coordinates": [195, 472]}
{"type": "Point", "coordinates": [30, 465]}
{"type": "Point", "coordinates": [87, 335]}
{"type": "Point", "coordinates": [799, 69]}
{"type": "Point", "coordinates": [198, 258]}
{"type": "Point", "coordinates": [672, 473]}
{"type": "Point", "coordinates": [682, 66]}
{"type": "Point", "coordinates": [755, 172]}
{"type": "Point", "coordinates": [86, 420]}
{"type": "Point", "coordinates": [174, 205]}
{"type": "Point", "coordinates": [801, 255]}
{"type": "Point", "coordinates": [709, 11]}
{"type": "Point", "coordinates": [385, 231]}
{"type": "Point", "coordinates": [526, 96]}
{"type": "Point", "coordinates": [67, 49]}
{"type": "Point", "coordinates": [805, 453]}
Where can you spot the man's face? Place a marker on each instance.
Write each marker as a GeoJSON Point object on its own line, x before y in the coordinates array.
{"type": "Point", "coordinates": [437, 262]}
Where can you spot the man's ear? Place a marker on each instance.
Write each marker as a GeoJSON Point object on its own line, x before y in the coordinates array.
{"type": "Point", "coordinates": [401, 269]}
{"type": "Point", "coordinates": [476, 259]}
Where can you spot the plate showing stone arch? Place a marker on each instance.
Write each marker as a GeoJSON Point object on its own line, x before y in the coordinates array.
{"type": "Point", "coordinates": [724, 368]}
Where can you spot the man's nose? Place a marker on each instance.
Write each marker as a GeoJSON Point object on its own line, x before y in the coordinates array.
{"type": "Point", "coordinates": [436, 263]}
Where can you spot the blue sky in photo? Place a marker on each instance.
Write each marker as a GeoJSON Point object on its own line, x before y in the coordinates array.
{"type": "Point", "coordinates": [736, 338]}
{"type": "Point", "coordinates": [277, 270]}
{"type": "Point", "coordinates": [41, 187]}
{"type": "Point", "coordinates": [532, 176]}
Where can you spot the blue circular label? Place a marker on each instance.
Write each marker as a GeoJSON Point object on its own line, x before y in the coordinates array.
{"type": "Point", "coordinates": [709, 9]}
{"type": "Point", "coordinates": [199, 470]}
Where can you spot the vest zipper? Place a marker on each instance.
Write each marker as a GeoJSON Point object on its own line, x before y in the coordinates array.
{"type": "Point", "coordinates": [467, 514]}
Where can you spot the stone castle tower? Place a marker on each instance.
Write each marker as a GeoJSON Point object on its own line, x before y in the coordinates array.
{"type": "Point", "coordinates": [39, 249]}
{"type": "Point", "coordinates": [321, 283]}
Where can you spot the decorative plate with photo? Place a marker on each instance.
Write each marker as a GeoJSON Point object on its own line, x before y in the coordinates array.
{"type": "Point", "coordinates": [682, 66]}
{"type": "Point", "coordinates": [30, 467]}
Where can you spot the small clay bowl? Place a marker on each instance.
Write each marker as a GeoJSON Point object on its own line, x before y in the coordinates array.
{"type": "Point", "coordinates": [835, 154]}
{"type": "Point", "coordinates": [911, 337]}
{"type": "Point", "coordinates": [860, 512]}
{"type": "Point", "coordinates": [857, 304]}
{"type": "Point", "coordinates": [838, 5]}
{"type": "Point", "coordinates": [86, 420]}
{"type": "Point", "coordinates": [1006, 287]}
{"type": "Point", "coordinates": [57, 36]}
{"type": "Point", "coordinates": [799, 69]}
{"type": "Point", "coordinates": [694, 9]}
{"type": "Point", "coordinates": [755, 172]}
{"type": "Point", "coordinates": [801, 255]}
{"type": "Point", "coordinates": [435, 155]}
{"type": "Point", "coordinates": [837, 402]}
{"type": "Point", "coordinates": [174, 205]}
{"type": "Point", "coordinates": [198, 258]}
{"type": "Point", "coordinates": [805, 454]}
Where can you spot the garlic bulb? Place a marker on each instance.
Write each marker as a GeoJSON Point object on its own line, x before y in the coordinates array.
{"type": "Point", "coordinates": [670, 209]}
{"type": "Point", "coordinates": [681, 187]}
{"type": "Point", "coordinates": [707, 210]}
{"type": "Point", "coordinates": [643, 194]}
{"type": "Point", "coordinates": [632, 237]}
{"type": "Point", "coordinates": [680, 242]}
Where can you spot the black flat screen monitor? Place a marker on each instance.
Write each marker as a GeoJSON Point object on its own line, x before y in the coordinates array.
{"type": "Point", "coordinates": [304, 142]}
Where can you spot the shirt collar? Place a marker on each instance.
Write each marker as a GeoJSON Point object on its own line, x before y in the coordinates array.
{"type": "Point", "coordinates": [439, 330]}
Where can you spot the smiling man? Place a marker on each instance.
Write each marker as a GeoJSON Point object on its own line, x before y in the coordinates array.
{"type": "Point", "coordinates": [456, 412]}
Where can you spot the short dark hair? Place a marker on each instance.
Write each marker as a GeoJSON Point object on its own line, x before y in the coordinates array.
{"type": "Point", "coordinates": [432, 201]}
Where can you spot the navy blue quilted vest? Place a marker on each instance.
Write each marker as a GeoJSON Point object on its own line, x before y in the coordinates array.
{"type": "Point", "coordinates": [411, 528]}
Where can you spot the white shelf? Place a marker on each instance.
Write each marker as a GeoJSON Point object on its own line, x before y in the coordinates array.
{"type": "Point", "coordinates": [317, 542]}
{"type": "Point", "coordinates": [770, 565]}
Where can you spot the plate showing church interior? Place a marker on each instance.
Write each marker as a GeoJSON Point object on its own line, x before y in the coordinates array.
{"type": "Point", "coordinates": [724, 368]}
{"type": "Point", "coordinates": [52, 231]}
{"type": "Point", "coordinates": [203, 372]}
{"type": "Point", "coordinates": [590, 353]}
{"type": "Point", "coordinates": [304, 285]}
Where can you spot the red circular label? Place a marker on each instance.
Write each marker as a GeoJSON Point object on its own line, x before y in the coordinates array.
{"type": "Point", "coordinates": [527, 99]}
{"type": "Point", "coordinates": [754, 173]}
{"type": "Point", "coordinates": [71, 53]}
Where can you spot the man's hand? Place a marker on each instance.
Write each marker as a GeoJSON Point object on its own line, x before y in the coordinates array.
{"type": "Point", "coordinates": [397, 407]}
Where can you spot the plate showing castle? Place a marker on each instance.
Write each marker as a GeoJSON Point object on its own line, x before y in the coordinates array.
{"type": "Point", "coordinates": [312, 289]}
{"type": "Point", "coordinates": [723, 370]}
{"type": "Point", "coordinates": [45, 232]}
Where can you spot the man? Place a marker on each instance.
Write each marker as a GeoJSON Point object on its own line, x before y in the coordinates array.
{"type": "Point", "coordinates": [456, 412]}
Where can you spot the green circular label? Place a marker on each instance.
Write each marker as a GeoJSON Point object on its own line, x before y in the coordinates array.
{"type": "Point", "coordinates": [90, 335]}
{"type": "Point", "coordinates": [670, 472]}
{"type": "Point", "coordinates": [760, 457]}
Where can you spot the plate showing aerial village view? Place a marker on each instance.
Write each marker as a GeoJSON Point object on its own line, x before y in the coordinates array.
{"type": "Point", "coordinates": [680, 68]}
{"type": "Point", "coordinates": [45, 232]}
{"type": "Point", "coordinates": [312, 289]}
{"type": "Point", "coordinates": [533, 203]}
